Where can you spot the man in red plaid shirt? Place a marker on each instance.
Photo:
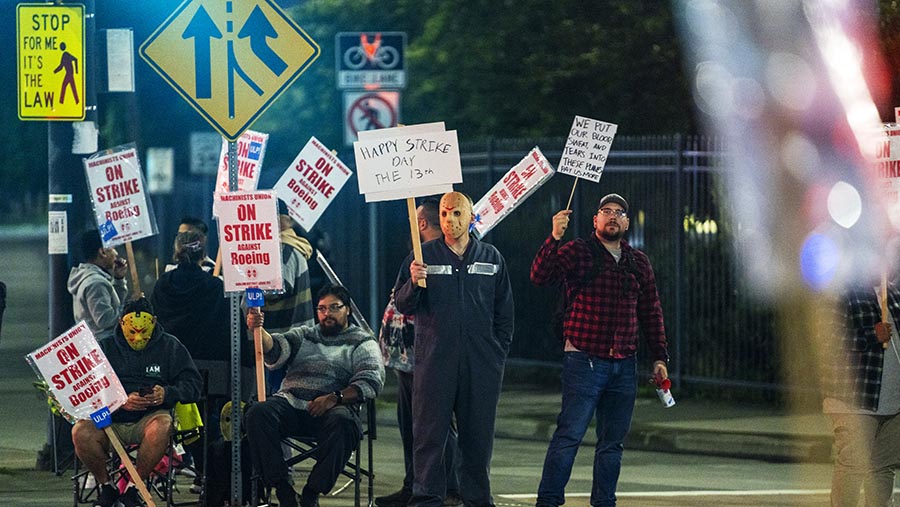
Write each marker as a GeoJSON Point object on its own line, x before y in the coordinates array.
{"type": "Point", "coordinates": [611, 298]}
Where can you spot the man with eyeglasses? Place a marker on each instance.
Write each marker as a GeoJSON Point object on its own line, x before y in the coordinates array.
{"type": "Point", "coordinates": [330, 367]}
{"type": "Point", "coordinates": [611, 297]}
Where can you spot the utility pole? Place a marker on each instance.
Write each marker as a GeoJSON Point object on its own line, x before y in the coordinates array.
{"type": "Point", "coordinates": [66, 143]}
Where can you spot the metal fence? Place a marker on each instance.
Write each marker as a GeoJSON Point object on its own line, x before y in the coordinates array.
{"type": "Point", "coordinates": [720, 340]}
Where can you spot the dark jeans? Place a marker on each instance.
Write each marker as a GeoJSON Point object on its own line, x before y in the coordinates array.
{"type": "Point", "coordinates": [404, 420]}
{"type": "Point", "coordinates": [590, 385]}
{"type": "Point", "coordinates": [338, 433]}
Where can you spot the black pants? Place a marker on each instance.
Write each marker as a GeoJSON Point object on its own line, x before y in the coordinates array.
{"type": "Point", "coordinates": [405, 421]}
{"type": "Point", "coordinates": [338, 433]}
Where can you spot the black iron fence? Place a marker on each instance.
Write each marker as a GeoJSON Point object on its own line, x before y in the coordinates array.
{"type": "Point", "coordinates": [720, 339]}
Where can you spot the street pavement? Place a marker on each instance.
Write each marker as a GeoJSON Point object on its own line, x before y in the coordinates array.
{"type": "Point", "coordinates": [697, 446]}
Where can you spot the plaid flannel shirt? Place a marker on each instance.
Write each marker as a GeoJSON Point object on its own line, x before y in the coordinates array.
{"type": "Point", "coordinates": [605, 315]}
{"type": "Point", "coordinates": [859, 358]}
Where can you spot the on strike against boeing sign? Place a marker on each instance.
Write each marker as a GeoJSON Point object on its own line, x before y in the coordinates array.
{"type": "Point", "coordinates": [251, 248]}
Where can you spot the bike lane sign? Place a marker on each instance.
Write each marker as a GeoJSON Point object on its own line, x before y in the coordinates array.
{"type": "Point", "coordinates": [370, 60]}
{"type": "Point", "coordinates": [230, 60]}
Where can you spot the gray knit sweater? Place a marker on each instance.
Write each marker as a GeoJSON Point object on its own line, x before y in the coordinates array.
{"type": "Point", "coordinates": [319, 364]}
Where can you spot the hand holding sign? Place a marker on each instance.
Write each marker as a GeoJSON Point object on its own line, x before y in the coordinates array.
{"type": "Point", "coordinates": [255, 300]}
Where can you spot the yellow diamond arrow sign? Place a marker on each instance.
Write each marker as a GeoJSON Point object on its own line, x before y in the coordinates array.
{"type": "Point", "coordinates": [229, 59]}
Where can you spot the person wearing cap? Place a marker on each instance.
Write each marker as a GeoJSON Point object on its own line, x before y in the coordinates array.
{"type": "Point", "coordinates": [611, 297]}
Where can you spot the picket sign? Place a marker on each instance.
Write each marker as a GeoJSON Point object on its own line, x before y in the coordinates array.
{"type": "Point", "coordinates": [586, 150]}
{"type": "Point", "coordinates": [886, 156]}
{"type": "Point", "coordinates": [249, 240]}
{"type": "Point", "coordinates": [407, 162]}
{"type": "Point", "coordinates": [119, 201]}
{"type": "Point", "coordinates": [507, 194]}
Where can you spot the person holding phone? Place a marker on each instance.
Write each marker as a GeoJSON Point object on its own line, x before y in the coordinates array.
{"type": "Point", "coordinates": [157, 372]}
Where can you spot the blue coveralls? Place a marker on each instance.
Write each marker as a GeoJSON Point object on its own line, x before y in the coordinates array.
{"type": "Point", "coordinates": [464, 325]}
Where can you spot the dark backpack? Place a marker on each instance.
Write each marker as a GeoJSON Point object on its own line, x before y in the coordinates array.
{"type": "Point", "coordinates": [626, 264]}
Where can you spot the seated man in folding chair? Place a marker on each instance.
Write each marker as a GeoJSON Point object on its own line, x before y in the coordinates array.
{"type": "Point", "coordinates": [330, 366]}
{"type": "Point", "coordinates": [156, 371]}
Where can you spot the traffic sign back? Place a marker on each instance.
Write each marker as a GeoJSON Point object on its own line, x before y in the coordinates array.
{"type": "Point", "coordinates": [50, 49]}
{"type": "Point", "coordinates": [230, 60]}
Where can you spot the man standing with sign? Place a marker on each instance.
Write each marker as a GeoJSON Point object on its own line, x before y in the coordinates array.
{"type": "Point", "coordinates": [156, 371]}
{"type": "Point", "coordinates": [611, 297]}
{"type": "Point", "coordinates": [397, 340]}
{"type": "Point", "coordinates": [464, 326]}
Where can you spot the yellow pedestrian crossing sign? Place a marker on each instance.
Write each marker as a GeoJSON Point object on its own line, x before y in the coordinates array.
{"type": "Point", "coordinates": [50, 49]}
{"type": "Point", "coordinates": [229, 59]}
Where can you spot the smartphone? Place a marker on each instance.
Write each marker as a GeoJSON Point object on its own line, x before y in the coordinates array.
{"type": "Point", "coordinates": [146, 391]}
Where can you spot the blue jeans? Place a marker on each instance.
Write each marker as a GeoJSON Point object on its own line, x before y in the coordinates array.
{"type": "Point", "coordinates": [590, 385]}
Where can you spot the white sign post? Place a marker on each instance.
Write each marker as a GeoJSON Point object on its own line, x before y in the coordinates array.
{"type": "Point", "coordinates": [311, 183]}
{"type": "Point", "coordinates": [251, 149]}
{"type": "Point", "coordinates": [249, 240]}
{"type": "Point", "coordinates": [517, 185]}
{"type": "Point", "coordinates": [586, 151]}
{"type": "Point", "coordinates": [119, 200]}
{"type": "Point", "coordinates": [407, 162]}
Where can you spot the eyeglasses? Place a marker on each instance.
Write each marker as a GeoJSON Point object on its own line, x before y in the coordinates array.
{"type": "Point", "coordinates": [333, 308]}
{"type": "Point", "coordinates": [610, 212]}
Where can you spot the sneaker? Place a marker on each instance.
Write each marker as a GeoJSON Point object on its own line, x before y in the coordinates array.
{"type": "Point", "coordinates": [452, 500]}
{"type": "Point", "coordinates": [131, 498]}
{"type": "Point", "coordinates": [107, 496]}
{"type": "Point", "coordinates": [398, 499]}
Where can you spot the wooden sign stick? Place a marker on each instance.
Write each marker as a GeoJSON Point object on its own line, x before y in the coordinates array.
{"type": "Point", "coordinates": [217, 270]}
{"type": "Point", "coordinates": [884, 302]}
{"type": "Point", "coordinates": [569, 204]}
{"type": "Point", "coordinates": [135, 281]}
{"type": "Point", "coordinates": [414, 232]}
{"type": "Point", "coordinates": [260, 372]}
{"type": "Point", "coordinates": [126, 460]}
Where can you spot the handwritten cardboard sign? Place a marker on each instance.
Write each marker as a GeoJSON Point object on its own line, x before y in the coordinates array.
{"type": "Point", "coordinates": [251, 149]}
{"type": "Point", "coordinates": [118, 196]}
{"type": "Point", "coordinates": [78, 374]}
{"type": "Point", "coordinates": [249, 240]}
{"type": "Point", "coordinates": [407, 162]}
{"type": "Point", "coordinates": [311, 183]}
{"type": "Point", "coordinates": [587, 148]}
{"type": "Point", "coordinates": [517, 185]}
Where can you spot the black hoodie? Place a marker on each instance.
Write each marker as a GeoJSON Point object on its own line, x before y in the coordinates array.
{"type": "Point", "coordinates": [164, 361]}
{"type": "Point", "coordinates": [191, 304]}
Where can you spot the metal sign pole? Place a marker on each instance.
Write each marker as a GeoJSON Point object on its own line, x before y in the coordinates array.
{"type": "Point", "coordinates": [236, 412]}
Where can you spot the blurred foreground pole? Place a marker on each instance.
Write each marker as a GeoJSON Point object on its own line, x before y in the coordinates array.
{"type": "Point", "coordinates": [788, 85]}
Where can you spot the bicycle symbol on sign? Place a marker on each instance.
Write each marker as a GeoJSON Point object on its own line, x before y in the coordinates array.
{"type": "Point", "coordinates": [383, 57]}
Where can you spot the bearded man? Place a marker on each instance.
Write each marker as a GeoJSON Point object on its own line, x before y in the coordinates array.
{"type": "Point", "coordinates": [464, 326]}
{"type": "Point", "coordinates": [156, 371]}
{"type": "Point", "coordinates": [611, 299]}
{"type": "Point", "coordinates": [331, 367]}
